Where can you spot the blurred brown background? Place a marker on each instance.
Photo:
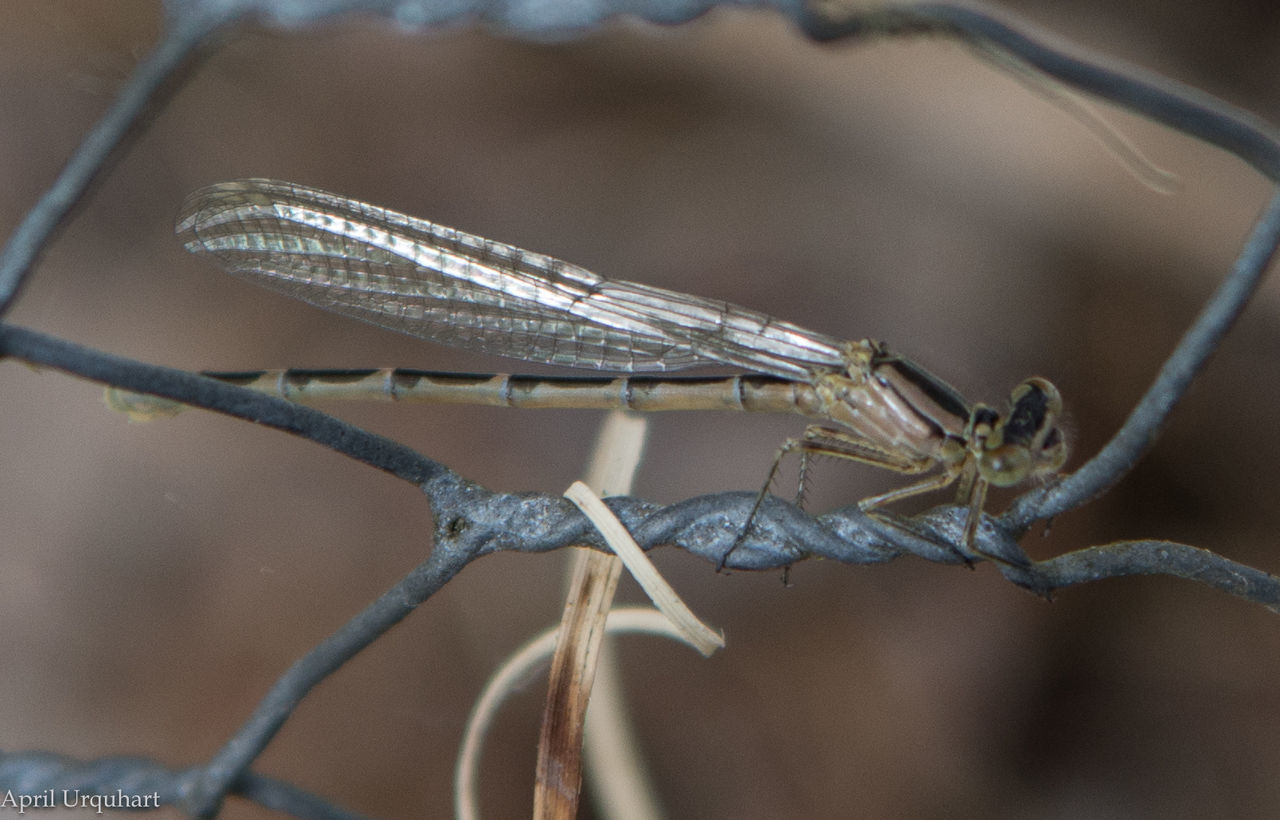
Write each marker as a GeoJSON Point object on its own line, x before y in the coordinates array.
{"type": "Point", "coordinates": [158, 577]}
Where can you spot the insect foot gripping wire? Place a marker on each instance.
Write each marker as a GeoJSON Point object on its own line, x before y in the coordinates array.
{"type": "Point", "coordinates": [448, 286]}
{"type": "Point", "coordinates": [931, 427]}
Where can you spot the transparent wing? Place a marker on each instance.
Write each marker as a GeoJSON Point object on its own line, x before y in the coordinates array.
{"type": "Point", "coordinates": [448, 286]}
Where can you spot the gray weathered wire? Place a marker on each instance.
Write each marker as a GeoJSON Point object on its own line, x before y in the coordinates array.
{"type": "Point", "coordinates": [470, 519]}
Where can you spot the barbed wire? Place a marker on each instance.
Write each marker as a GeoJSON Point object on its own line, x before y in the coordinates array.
{"type": "Point", "coordinates": [472, 521]}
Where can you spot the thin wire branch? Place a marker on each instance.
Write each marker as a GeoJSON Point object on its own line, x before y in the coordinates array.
{"type": "Point", "coordinates": [1139, 431]}
{"type": "Point", "coordinates": [138, 95]}
{"type": "Point", "coordinates": [515, 18]}
{"type": "Point", "coordinates": [1157, 98]}
{"type": "Point", "coordinates": [199, 391]}
{"type": "Point", "coordinates": [1125, 558]}
{"type": "Point", "coordinates": [205, 796]}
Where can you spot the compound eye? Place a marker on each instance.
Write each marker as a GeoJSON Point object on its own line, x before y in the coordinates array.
{"type": "Point", "coordinates": [1005, 466]}
{"type": "Point", "coordinates": [1053, 453]}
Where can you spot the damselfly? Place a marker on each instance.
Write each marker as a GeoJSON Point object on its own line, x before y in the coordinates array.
{"type": "Point", "coordinates": [448, 286]}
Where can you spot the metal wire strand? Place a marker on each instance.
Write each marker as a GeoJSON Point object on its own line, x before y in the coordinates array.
{"type": "Point", "coordinates": [469, 518]}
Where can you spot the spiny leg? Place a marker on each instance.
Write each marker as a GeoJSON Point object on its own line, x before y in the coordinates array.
{"type": "Point", "coordinates": [788, 446]}
{"type": "Point", "coordinates": [937, 482]}
{"type": "Point", "coordinates": [803, 477]}
{"type": "Point", "coordinates": [819, 440]}
{"type": "Point", "coordinates": [977, 500]}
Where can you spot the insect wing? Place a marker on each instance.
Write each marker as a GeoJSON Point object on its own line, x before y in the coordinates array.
{"type": "Point", "coordinates": [455, 288]}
